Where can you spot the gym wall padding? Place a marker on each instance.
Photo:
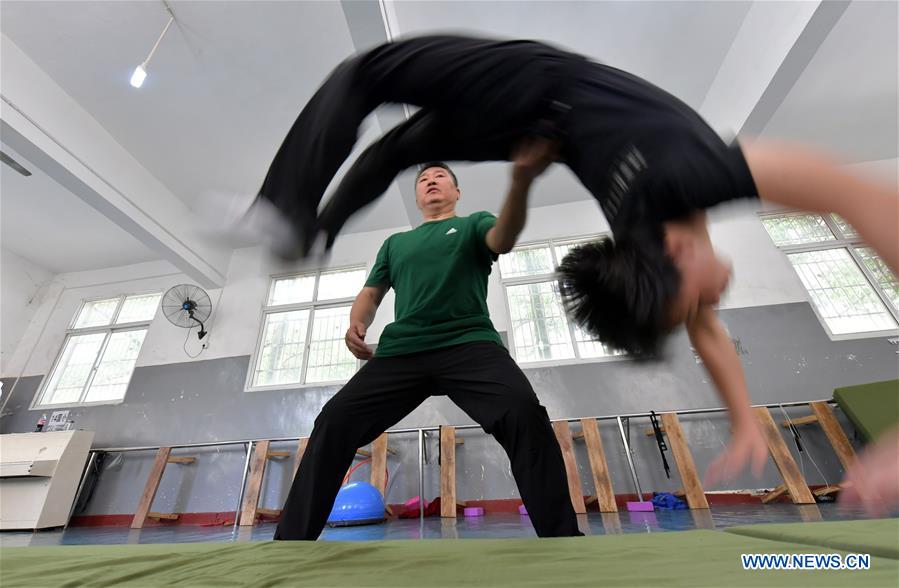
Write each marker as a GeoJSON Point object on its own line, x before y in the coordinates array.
{"type": "Point", "coordinates": [873, 408]}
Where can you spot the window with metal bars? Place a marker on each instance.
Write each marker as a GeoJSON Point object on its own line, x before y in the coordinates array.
{"type": "Point", "coordinates": [852, 290]}
{"type": "Point", "coordinates": [303, 325]}
{"type": "Point", "coordinates": [539, 330]}
{"type": "Point", "coordinates": [100, 350]}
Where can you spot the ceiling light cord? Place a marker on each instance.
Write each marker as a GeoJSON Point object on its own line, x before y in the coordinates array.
{"type": "Point", "coordinates": [140, 72]}
{"type": "Point", "coordinates": [158, 41]}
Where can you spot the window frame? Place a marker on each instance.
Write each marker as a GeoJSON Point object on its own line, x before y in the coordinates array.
{"type": "Point", "coordinates": [552, 243]}
{"type": "Point", "coordinates": [109, 329]}
{"type": "Point", "coordinates": [312, 306]}
{"type": "Point", "coordinates": [840, 241]}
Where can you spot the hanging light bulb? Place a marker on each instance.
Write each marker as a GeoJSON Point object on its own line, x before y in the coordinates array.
{"type": "Point", "coordinates": [140, 72]}
{"type": "Point", "coordinates": [139, 75]}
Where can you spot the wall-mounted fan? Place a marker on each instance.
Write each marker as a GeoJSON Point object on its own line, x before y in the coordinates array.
{"type": "Point", "coordinates": [185, 305]}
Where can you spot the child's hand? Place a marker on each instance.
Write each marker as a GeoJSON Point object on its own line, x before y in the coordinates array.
{"type": "Point", "coordinates": [747, 445]}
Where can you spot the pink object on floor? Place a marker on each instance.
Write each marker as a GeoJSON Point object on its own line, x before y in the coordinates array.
{"type": "Point", "coordinates": [413, 502]}
{"type": "Point", "coordinates": [522, 510]}
{"type": "Point", "coordinates": [643, 518]}
{"type": "Point", "coordinates": [473, 511]}
{"type": "Point", "coordinates": [640, 506]}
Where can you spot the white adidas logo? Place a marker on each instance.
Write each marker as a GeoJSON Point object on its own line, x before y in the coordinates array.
{"type": "Point", "coordinates": [451, 231]}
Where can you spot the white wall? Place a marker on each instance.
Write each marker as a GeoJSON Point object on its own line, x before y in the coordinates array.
{"type": "Point", "coordinates": [885, 171]}
{"type": "Point", "coordinates": [237, 315]}
{"type": "Point", "coordinates": [22, 286]}
{"type": "Point", "coordinates": [761, 274]}
{"type": "Point", "coordinates": [42, 340]}
{"type": "Point", "coordinates": [762, 277]}
{"type": "Point", "coordinates": [237, 308]}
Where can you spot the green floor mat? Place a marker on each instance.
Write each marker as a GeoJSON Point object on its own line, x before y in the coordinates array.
{"type": "Point", "coordinates": [689, 558]}
{"type": "Point", "coordinates": [872, 408]}
{"type": "Point", "coordinates": [878, 537]}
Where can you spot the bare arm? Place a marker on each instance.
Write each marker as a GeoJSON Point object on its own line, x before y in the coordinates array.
{"type": "Point", "coordinates": [719, 356]}
{"type": "Point", "coordinates": [717, 352]}
{"type": "Point", "coordinates": [799, 178]}
{"type": "Point", "coordinates": [362, 314]}
{"type": "Point", "coordinates": [531, 160]}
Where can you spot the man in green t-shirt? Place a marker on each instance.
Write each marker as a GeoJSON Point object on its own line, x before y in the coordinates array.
{"type": "Point", "coordinates": [441, 343]}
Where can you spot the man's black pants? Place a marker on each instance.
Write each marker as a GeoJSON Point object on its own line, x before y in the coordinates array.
{"type": "Point", "coordinates": [483, 380]}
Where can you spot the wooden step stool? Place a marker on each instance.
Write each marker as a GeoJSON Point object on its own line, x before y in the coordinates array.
{"type": "Point", "coordinates": [683, 459]}
{"type": "Point", "coordinates": [261, 455]}
{"type": "Point", "coordinates": [563, 436]}
{"type": "Point", "coordinates": [448, 442]}
{"type": "Point", "coordinates": [598, 466]}
{"type": "Point", "coordinates": [794, 483]}
{"type": "Point", "coordinates": [143, 513]}
{"type": "Point", "coordinates": [822, 414]}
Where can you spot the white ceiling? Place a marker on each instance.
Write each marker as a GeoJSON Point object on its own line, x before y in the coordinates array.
{"type": "Point", "coordinates": [230, 77]}
{"type": "Point", "coordinates": [846, 100]}
{"type": "Point", "coordinates": [676, 45]}
{"type": "Point", "coordinates": [224, 87]}
{"type": "Point", "coordinates": [47, 225]}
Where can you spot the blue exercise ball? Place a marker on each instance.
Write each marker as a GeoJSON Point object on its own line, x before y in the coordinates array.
{"type": "Point", "coordinates": [358, 503]}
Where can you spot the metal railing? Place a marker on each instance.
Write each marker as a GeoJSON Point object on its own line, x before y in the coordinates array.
{"type": "Point", "coordinates": [622, 420]}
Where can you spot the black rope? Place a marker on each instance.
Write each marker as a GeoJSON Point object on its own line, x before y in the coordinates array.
{"type": "Point", "coordinates": [660, 441]}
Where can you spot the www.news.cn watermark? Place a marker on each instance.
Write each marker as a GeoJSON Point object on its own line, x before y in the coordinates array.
{"type": "Point", "coordinates": [806, 561]}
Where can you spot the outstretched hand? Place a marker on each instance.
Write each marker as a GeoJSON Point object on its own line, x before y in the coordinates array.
{"type": "Point", "coordinates": [747, 446]}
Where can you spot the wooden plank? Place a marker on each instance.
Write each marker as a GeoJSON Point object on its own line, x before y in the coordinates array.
{"type": "Point", "coordinates": [800, 421]}
{"type": "Point", "coordinates": [150, 488]}
{"type": "Point", "coordinates": [809, 513]}
{"type": "Point", "coordinates": [598, 466]}
{"type": "Point", "coordinates": [703, 519]}
{"type": "Point", "coordinates": [448, 472]}
{"type": "Point", "coordinates": [563, 436]}
{"type": "Point", "coordinates": [301, 449]}
{"type": "Point", "coordinates": [650, 432]}
{"type": "Point", "coordinates": [684, 460]}
{"type": "Point", "coordinates": [363, 452]}
{"type": "Point", "coordinates": [611, 523]}
{"type": "Point", "coordinates": [827, 490]}
{"type": "Point", "coordinates": [254, 486]}
{"type": "Point", "coordinates": [784, 461]}
{"type": "Point", "coordinates": [379, 463]}
{"type": "Point", "coordinates": [834, 432]}
{"type": "Point", "coordinates": [272, 512]}
{"type": "Point", "coordinates": [774, 494]}
{"type": "Point", "coordinates": [274, 454]}
{"type": "Point", "coordinates": [182, 459]}
{"type": "Point", "coordinates": [165, 516]}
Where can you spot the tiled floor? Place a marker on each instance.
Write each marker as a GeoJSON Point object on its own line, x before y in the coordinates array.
{"type": "Point", "coordinates": [491, 526]}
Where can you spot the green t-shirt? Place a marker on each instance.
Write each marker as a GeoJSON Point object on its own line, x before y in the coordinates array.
{"type": "Point", "coordinates": [439, 273]}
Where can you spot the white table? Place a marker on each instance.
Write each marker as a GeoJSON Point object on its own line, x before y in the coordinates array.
{"type": "Point", "coordinates": [39, 476]}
